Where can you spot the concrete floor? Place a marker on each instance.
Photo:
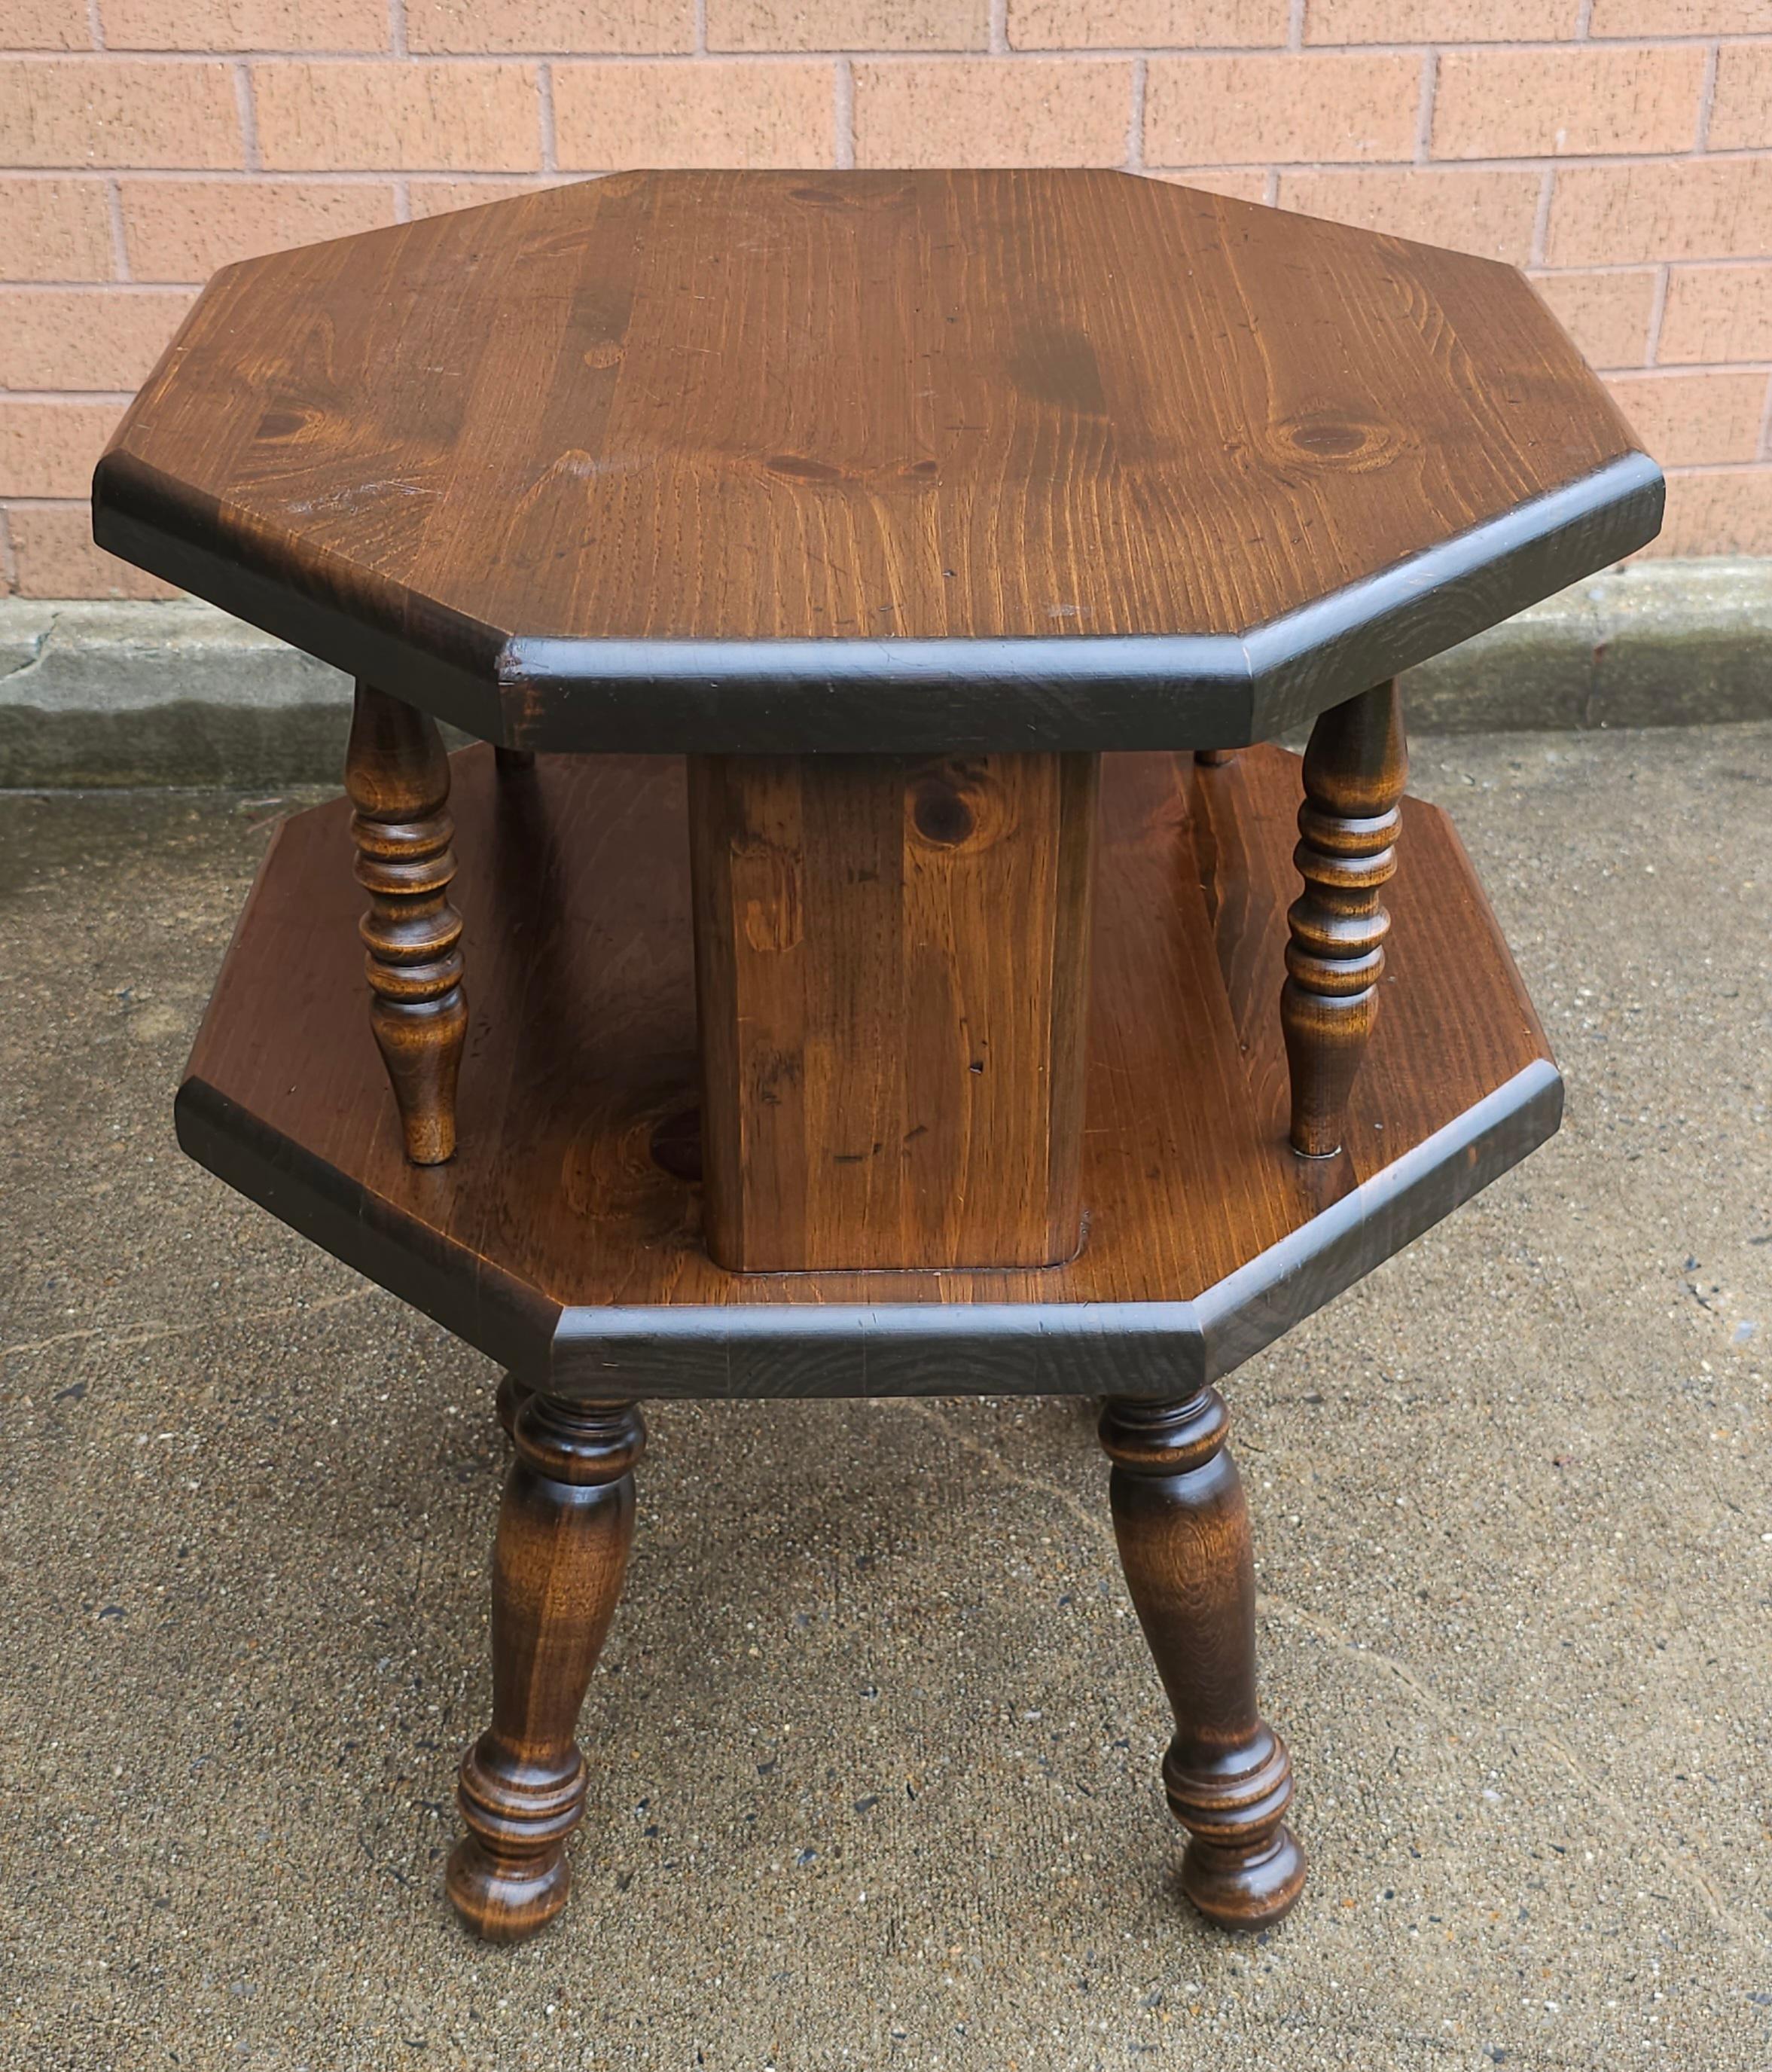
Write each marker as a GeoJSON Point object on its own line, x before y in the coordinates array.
{"type": "Point", "coordinates": [874, 1745]}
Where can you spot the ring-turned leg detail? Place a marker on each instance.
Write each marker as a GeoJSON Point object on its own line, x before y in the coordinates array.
{"type": "Point", "coordinates": [511, 1396]}
{"type": "Point", "coordinates": [1183, 1525]}
{"type": "Point", "coordinates": [397, 776]}
{"type": "Point", "coordinates": [564, 1528]}
{"type": "Point", "coordinates": [1355, 768]}
{"type": "Point", "coordinates": [1214, 758]}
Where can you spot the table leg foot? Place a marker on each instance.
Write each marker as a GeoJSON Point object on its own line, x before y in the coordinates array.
{"type": "Point", "coordinates": [1183, 1525]}
{"type": "Point", "coordinates": [564, 1528]}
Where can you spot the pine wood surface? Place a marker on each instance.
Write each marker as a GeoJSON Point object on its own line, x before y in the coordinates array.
{"type": "Point", "coordinates": [892, 980]}
{"type": "Point", "coordinates": [726, 460]}
{"type": "Point", "coordinates": [563, 1240]}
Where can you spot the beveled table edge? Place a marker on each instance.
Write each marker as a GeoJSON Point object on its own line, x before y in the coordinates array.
{"type": "Point", "coordinates": [1137, 691]}
{"type": "Point", "coordinates": [745, 1351]}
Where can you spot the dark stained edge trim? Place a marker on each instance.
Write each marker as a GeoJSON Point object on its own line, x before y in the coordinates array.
{"type": "Point", "coordinates": [1144, 691]}
{"type": "Point", "coordinates": [1375, 629]}
{"type": "Point", "coordinates": [435, 659]}
{"type": "Point", "coordinates": [1135, 691]}
{"type": "Point", "coordinates": [1264, 1299]}
{"type": "Point", "coordinates": [1154, 1349]}
{"type": "Point", "coordinates": [753, 1351]}
{"type": "Point", "coordinates": [506, 1320]}
{"type": "Point", "coordinates": [770, 696]}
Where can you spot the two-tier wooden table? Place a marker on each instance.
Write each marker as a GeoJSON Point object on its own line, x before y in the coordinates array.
{"type": "Point", "coordinates": [861, 965]}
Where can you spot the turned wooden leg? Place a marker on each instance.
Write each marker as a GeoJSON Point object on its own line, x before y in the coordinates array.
{"type": "Point", "coordinates": [1355, 768]}
{"type": "Point", "coordinates": [564, 1528]}
{"type": "Point", "coordinates": [397, 776]}
{"type": "Point", "coordinates": [1183, 1529]}
{"type": "Point", "coordinates": [1214, 758]}
{"type": "Point", "coordinates": [513, 1395]}
{"type": "Point", "coordinates": [511, 760]}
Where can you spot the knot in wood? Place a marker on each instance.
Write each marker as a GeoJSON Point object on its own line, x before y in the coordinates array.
{"type": "Point", "coordinates": [958, 803]}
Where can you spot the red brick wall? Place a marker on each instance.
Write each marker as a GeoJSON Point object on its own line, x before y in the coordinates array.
{"type": "Point", "coordinates": [1621, 150]}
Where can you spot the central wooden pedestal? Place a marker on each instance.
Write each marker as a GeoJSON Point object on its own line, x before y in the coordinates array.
{"type": "Point", "coordinates": [892, 983]}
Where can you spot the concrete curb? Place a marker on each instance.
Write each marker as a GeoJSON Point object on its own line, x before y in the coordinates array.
{"type": "Point", "coordinates": [179, 693]}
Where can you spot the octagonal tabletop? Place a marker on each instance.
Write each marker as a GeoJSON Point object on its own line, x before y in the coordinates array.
{"type": "Point", "coordinates": [876, 460]}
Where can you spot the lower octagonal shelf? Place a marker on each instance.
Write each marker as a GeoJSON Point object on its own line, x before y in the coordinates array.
{"type": "Point", "coordinates": [563, 1239]}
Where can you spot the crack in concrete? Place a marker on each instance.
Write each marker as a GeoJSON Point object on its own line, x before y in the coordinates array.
{"type": "Point", "coordinates": [39, 646]}
{"type": "Point", "coordinates": [1683, 1869]}
{"type": "Point", "coordinates": [1525, 1731]}
{"type": "Point", "coordinates": [143, 1334]}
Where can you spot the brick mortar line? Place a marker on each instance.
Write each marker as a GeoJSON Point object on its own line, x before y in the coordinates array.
{"type": "Point", "coordinates": [934, 53]}
{"type": "Point", "coordinates": [1135, 120]}
{"type": "Point", "coordinates": [1541, 218]}
{"type": "Point", "coordinates": [1706, 100]}
{"type": "Point", "coordinates": [1677, 370]}
{"type": "Point", "coordinates": [1658, 311]}
{"type": "Point", "coordinates": [259, 176]}
{"type": "Point", "coordinates": [1533, 162]}
{"type": "Point", "coordinates": [1635, 266]}
{"type": "Point", "coordinates": [1428, 90]}
{"type": "Point", "coordinates": [136, 288]}
{"type": "Point", "coordinates": [843, 114]}
{"type": "Point", "coordinates": [1614, 161]}
{"type": "Point", "coordinates": [1681, 470]}
{"type": "Point", "coordinates": [308, 176]}
{"type": "Point", "coordinates": [247, 109]}
{"type": "Point", "coordinates": [549, 125]}
{"type": "Point", "coordinates": [120, 243]}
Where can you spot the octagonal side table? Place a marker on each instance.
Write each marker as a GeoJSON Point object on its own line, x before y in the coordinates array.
{"type": "Point", "coordinates": [874, 954]}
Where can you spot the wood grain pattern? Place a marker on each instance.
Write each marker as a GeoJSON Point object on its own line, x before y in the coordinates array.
{"type": "Point", "coordinates": [1183, 1525]}
{"type": "Point", "coordinates": [396, 776]}
{"type": "Point", "coordinates": [1354, 771]}
{"type": "Point", "coordinates": [565, 1529]}
{"type": "Point", "coordinates": [560, 1244]}
{"type": "Point", "coordinates": [892, 983]}
{"type": "Point", "coordinates": [944, 461]}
